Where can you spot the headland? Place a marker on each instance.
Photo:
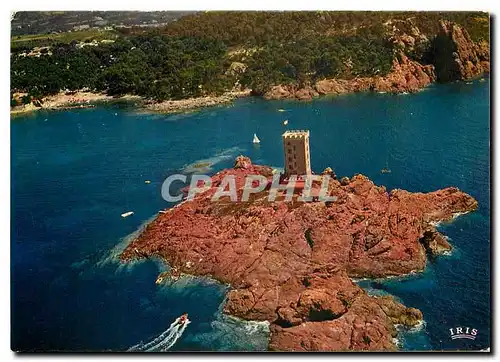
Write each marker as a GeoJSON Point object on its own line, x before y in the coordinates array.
{"type": "Point", "coordinates": [291, 263]}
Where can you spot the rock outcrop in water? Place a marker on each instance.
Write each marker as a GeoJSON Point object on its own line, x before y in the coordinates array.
{"type": "Point", "coordinates": [290, 263]}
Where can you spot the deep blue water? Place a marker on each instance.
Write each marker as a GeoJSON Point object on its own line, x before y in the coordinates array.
{"type": "Point", "coordinates": [74, 173]}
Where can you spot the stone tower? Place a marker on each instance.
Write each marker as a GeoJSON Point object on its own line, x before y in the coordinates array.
{"type": "Point", "coordinates": [297, 158]}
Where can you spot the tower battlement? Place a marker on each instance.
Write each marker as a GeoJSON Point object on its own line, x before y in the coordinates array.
{"type": "Point", "coordinates": [295, 134]}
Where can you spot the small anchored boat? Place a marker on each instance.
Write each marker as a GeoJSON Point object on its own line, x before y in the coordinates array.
{"type": "Point", "coordinates": [255, 139]}
{"type": "Point", "coordinates": [285, 122]}
{"type": "Point", "coordinates": [386, 169]}
{"type": "Point", "coordinates": [127, 214]}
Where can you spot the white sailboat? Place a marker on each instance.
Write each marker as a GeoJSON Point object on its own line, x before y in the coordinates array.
{"type": "Point", "coordinates": [255, 139]}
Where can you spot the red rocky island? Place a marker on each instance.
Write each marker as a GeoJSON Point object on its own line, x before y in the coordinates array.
{"type": "Point", "coordinates": [291, 263]}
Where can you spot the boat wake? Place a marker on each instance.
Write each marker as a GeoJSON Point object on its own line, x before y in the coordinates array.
{"type": "Point", "coordinates": [164, 341]}
{"type": "Point", "coordinates": [207, 165]}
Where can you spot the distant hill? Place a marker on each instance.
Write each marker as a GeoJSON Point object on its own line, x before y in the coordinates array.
{"type": "Point", "coordinates": [44, 22]}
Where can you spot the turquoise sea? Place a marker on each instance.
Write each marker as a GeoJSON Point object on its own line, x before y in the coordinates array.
{"type": "Point", "coordinates": [74, 172]}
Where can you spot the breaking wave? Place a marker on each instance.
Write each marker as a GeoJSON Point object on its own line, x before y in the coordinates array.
{"type": "Point", "coordinates": [231, 334]}
{"type": "Point", "coordinates": [408, 337]}
{"type": "Point", "coordinates": [455, 215]}
{"type": "Point", "coordinates": [419, 327]}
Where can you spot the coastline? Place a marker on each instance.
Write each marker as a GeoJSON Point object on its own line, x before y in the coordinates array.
{"type": "Point", "coordinates": [459, 59]}
{"type": "Point", "coordinates": [174, 106]}
{"type": "Point", "coordinates": [401, 328]}
{"type": "Point", "coordinates": [302, 294]}
{"type": "Point", "coordinates": [81, 99]}
{"type": "Point", "coordinates": [78, 100]}
{"type": "Point", "coordinates": [326, 87]}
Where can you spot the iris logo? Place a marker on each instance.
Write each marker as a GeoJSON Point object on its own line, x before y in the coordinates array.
{"type": "Point", "coordinates": [463, 333]}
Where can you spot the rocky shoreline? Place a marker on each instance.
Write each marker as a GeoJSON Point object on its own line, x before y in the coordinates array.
{"type": "Point", "coordinates": [406, 76]}
{"type": "Point", "coordinates": [71, 100]}
{"type": "Point", "coordinates": [194, 103]}
{"type": "Point", "coordinates": [456, 58]}
{"type": "Point", "coordinates": [83, 99]}
{"type": "Point", "coordinates": [291, 263]}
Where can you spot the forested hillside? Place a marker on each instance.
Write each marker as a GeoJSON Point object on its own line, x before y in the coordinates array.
{"type": "Point", "coordinates": [210, 53]}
